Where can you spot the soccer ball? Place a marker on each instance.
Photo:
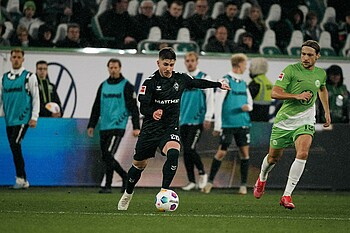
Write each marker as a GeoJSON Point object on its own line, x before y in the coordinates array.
{"type": "Point", "coordinates": [52, 107]}
{"type": "Point", "coordinates": [167, 200]}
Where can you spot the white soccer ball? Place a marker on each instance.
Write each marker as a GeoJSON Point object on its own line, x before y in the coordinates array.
{"type": "Point", "coordinates": [167, 200]}
{"type": "Point", "coordinates": [53, 107]}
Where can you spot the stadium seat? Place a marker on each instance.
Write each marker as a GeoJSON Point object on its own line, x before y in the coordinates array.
{"type": "Point", "coordinates": [9, 30]}
{"type": "Point", "coordinates": [328, 17]}
{"type": "Point", "coordinates": [103, 6]}
{"type": "Point", "coordinates": [61, 32]}
{"type": "Point", "coordinates": [183, 35]}
{"type": "Point", "coordinates": [273, 16]}
{"type": "Point", "coordinates": [296, 40]}
{"type": "Point", "coordinates": [238, 33]}
{"type": "Point", "coordinates": [189, 10]}
{"type": "Point", "coordinates": [326, 44]}
{"type": "Point", "coordinates": [34, 28]}
{"type": "Point", "coordinates": [162, 6]}
{"type": "Point", "coordinates": [305, 10]}
{"type": "Point", "coordinates": [13, 6]}
{"type": "Point", "coordinates": [208, 35]}
{"type": "Point", "coordinates": [154, 36]}
{"type": "Point", "coordinates": [185, 45]}
{"type": "Point", "coordinates": [97, 31]}
{"type": "Point", "coordinates": [346, 49]}
{"type": "Point", "coordinates": [133, 7]}
{"type": "Point", "coordinates": [244, 10]}
{"type": "Point", "coordinates": [268, 45]}
{"type": "Point", "coordinates": [218, 9]}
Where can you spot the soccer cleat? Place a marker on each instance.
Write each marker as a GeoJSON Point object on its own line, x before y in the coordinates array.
{"type": "Point", "coordinates": [189, 186]}
{"type": "Point", "coordinates": [207, 188]}
{"type": "Point", "coordinates": [105, 190]}
{"type": "Point", "coordinates": [286, 202]}
{"type": "Point", "coordinates": [242, 190]}
{"type": "Point", "coordinates": [259, 188]}
{"type": "Point", "coordinates": [203, 179]}
{"type": "Point", "coordinates": [124, 201]}
{"type": "Point", "coordinates": [21, 183]}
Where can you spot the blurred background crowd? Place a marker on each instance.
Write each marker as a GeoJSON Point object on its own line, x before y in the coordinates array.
{"type": "Point", "coordinates": [247, 26]}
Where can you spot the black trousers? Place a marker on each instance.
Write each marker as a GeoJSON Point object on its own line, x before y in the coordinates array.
{"type": "Point", "coordinates": [109, 142]}
{"type": "Point", "coordinates": [15, 134]}
{"type": "Point", "coordinates": [190, 135]}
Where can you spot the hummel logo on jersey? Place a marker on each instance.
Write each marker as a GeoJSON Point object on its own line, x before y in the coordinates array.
{"type": "Point", "coordinates": [173, 168]}
{"type": "Point", "coordinates": [159, 88]}
{"type": "Point", "coordinates": [280, 77]}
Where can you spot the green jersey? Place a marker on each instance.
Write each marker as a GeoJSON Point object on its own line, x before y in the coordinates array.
{"type": "Point", "coordinates": [295, 79]}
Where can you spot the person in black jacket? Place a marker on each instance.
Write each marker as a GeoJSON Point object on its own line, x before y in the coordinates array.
{"type": "Point", "coordinates": [200, 22]}
{"type": "Point", "coordinates": [45, 36]}
{"type": "Point", "coordinates": [160, 98]}
{"type": "Point", "coordinates": [230, 18]}
{"type": "Point", "coordinates": [117, 23]}
{"type": "Point", "coordinates": [220, 43]}
{"type": "Point", "coordinates": [171, 21]}
{"type": "Point", "coordinates": [47, 91]}
{"type": "Point", "coordinates": [72, 39]}
{"type": "Point", "coordinates": [146, 19]}
{"type": "Point", "coordinates": [114, 102]}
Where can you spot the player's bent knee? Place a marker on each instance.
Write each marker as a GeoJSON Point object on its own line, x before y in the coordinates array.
{"type": "Point", "coordinates": [140, 164]}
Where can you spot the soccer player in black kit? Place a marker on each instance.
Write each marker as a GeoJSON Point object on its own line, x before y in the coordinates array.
{"type": "Point", "coordinates": [159, 98]}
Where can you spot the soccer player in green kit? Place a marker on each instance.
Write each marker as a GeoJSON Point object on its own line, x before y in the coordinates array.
{"type": "Point", "coordinates": [298, 85]}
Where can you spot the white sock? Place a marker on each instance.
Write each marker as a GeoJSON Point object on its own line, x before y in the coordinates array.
{"type": "Point", "coordinates": [265, 169]}
{"type": "Point", "coordinates": [295, 172]}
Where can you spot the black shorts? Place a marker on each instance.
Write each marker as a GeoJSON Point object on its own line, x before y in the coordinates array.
{"type": "Point", "coordinates": [147, 144]}
{"type": "Point", "coordinates": [241, 135]}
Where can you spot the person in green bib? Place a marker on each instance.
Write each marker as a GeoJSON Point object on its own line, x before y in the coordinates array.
{"type": "Point", "coordinates": [298, 86]}
{"type": "Point", "coordinates": [115, 101]}
{"type": "Point", "coordinates": [19, 103]}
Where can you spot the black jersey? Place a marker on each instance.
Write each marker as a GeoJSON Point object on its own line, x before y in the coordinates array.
{"type": "Point", "coordinates": [159, 92]}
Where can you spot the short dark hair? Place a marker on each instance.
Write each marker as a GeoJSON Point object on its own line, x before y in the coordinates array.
{"type": "Point", "coordinates": [72, 25]}
{"type": "Point", "coordinates": [41, 62]}
{"type": "Point", "coordinates": [167, 53]}
{"type": "Point", "coordinates": [232, 2]}
{"type": "Point", "coordinates": [114, 60]}
{"type": "Point", "coordinates": [313, 44]}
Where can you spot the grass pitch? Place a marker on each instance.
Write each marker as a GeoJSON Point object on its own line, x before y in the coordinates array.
{"type": "Point", "coordinates": [71, 209]}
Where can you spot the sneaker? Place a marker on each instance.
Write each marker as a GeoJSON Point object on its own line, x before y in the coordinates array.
{"type": "Point", "coordinates": [124, 201]}
{"type": "Point", "coordinates": [242, 190]}
{"type": "Point", "coordinates": [259, 188]}
{"type": "Point", "coordinates": [207, 188]}
{"type": "Point", "coordinates": [189, 186]}
{"type": "Point", "coordinates": [286, 202]}
{"type": "Point", "coordinates": [105, 190]}
{"type": "Point", "coordinates": [203, 179]}
{"type": "Point", "coordinates": [21, 183]}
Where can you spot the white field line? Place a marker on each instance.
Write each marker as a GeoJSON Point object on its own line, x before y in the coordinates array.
{"type": "Point", "coordinates": [174, 215]}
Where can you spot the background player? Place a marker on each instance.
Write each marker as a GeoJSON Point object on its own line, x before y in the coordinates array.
{"type": "Point", "coordinates": [115, 101]}
{"type": "Point", "coordinates": [196, 113]}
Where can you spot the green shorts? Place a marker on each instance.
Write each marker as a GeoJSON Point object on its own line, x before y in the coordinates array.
{"type": "Point", "coordinates": [281, 138]}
